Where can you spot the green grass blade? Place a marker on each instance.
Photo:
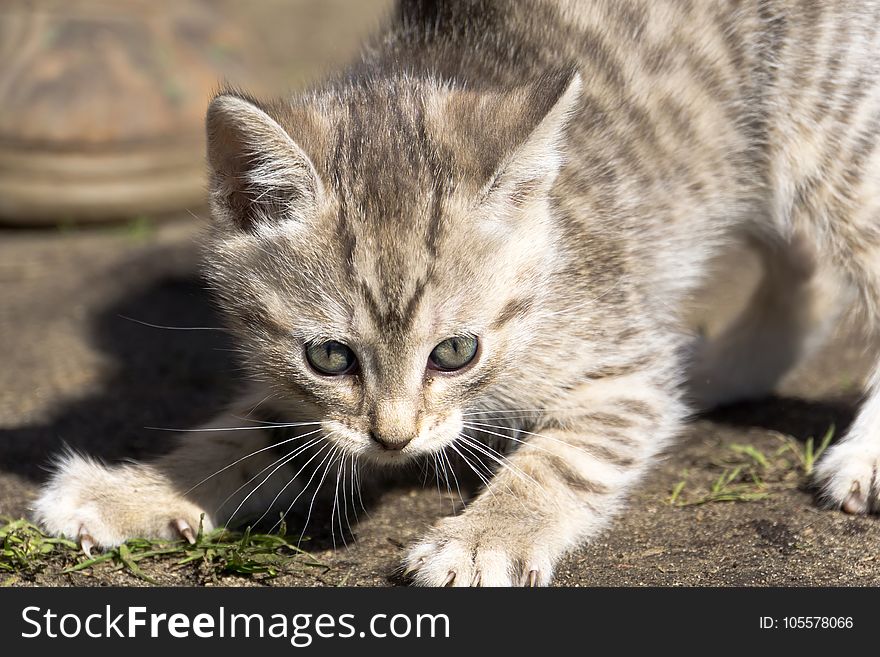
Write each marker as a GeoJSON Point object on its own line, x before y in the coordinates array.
{"type": "Point", "coordinates": [676, 492]}
{"type": "Point", "coordinates": [126, 558]}
{"type": "Point", "coordinates": [88, 563]}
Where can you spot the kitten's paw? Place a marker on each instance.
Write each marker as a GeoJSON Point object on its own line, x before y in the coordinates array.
{"type": "Point", "coordinates": [102, 506]}
{"type": "Point", "coordinates": [849, 475]}
{"type": "Point", "coordinates": [462, 551]}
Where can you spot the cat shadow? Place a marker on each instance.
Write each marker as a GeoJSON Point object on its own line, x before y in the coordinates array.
{"type": "Point", "coordinates": [801, 419]}
{"type": "Point", "coordinates": [159, 378]}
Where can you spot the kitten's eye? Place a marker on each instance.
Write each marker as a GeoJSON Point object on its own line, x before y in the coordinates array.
{"type": "Point", "coordinates": [331, 358]}
{"type": "Point", "coordinates": [453, 353]}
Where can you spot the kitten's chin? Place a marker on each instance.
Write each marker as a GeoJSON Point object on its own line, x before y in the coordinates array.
{"type": "Point", "coordinates": [387, 458]}
{"type": "Point", "coordinates": [393, 458]}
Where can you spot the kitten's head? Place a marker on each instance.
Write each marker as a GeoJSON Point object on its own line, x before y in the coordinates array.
{"type": "Point", "coordinates": [383, 248]}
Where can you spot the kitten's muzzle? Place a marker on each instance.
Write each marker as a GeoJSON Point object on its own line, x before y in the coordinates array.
{"type": "Point", "coordinates": [394, 443]}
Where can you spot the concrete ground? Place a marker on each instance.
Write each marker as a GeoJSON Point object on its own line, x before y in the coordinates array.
{"type": "Point", "coordinates": [77, 370]}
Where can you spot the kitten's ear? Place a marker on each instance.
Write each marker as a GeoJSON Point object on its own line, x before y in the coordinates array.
{"type": "Point", "coordinates": [258, 174]}
{"type": "Point", "coordinates": [531, 168]}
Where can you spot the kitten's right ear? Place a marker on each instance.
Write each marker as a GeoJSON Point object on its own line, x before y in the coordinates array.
{"type": "Point", "coordinates": [258, 174]}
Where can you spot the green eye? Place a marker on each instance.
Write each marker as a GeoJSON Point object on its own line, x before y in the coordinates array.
{"type": "Point", "coordinates": [453, 353]}
{"type": "Point", "coordinates": [331, 358]}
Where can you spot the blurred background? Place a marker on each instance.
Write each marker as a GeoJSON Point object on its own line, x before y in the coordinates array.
{"type": "Point", "coordinates": [102, 196]}
{"type": "Point", "coordinates": [102, 101]}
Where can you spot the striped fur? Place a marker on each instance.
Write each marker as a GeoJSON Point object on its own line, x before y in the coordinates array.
{"type": "Point", "coordinates": [553, 177]}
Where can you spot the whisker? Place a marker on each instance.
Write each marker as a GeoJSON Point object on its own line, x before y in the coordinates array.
{"type": "Point", "coordinates": [335, 503]}
{"type": "Point", "coordinates": [357, 476]}
{"type": "Point", "coordinates": [247, 416]}
{"type": "Point", "coordinates": [502, 418]}
{"type": "Point", "coordinates": [475, 426]}
{"type": "Point", "coordinates": [351, 477]}
{"type": "Point", "coordinates": [442, 463]}
{"type": "Point", "coordinates": [257, 487]}
{"type": "Point", "coordinates": [521, 410]}
{"type": "Point", "coordinates": [586, 303]}
{"type": "Point", "coordinates": [437, 475]}
{"type": "Point", "coordinates": [317, 490]}
{"type": "Point", "coordinates": [518, 440]}
{"type": "Point", "coordinates": [345, 497]}
{"type": "Point", "coordinates": [423, 470]}
{"type": "Point", "coordinates": [471, 466]}
{"type": "Point", "coordinates": [272, 425]}
{"type": "Point", "coordinates": [489, 472]}
{"type": "Point", "coordinates": [454, 476]}
{"type": "Point", "coordinates": [287, 485]}
{"type": "Point", "coordinates": [254, 453]}
{"type": "Point", "coordinates": [441, 467]}
{"type": "Point", "coordinates": [286, 459]}
{"type": "Point", "coordinates": [175, 328]}
{"type": "Point", "coordinates": [279, 425]}
{"type": "Point", "coordinates": [499, 458]}
{"type": "Point", "coordinates": [517, 471]}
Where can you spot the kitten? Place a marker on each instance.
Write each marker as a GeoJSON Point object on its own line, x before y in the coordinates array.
{"type": "Point", "coordinates": [475, 246]}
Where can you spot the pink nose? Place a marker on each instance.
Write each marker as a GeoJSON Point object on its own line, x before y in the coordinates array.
{"type": "Point", "coordinates": [388, 442]}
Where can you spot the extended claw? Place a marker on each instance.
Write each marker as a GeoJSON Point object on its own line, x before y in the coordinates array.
{"type": "Point", "coordinates": [413, 568]}
{"type": "Point", "coordinates": [449, 579]}
{"type": "Point", "coordinates": [477, 580]}
{"type": "Point", "coordinates": [182, 526]}
{"type": "Point", "coordinates": [533, 578]}
{"type": "Point", "coordinates": [855, 502]}
{"type": "Point", "coordinates": [86, 542]}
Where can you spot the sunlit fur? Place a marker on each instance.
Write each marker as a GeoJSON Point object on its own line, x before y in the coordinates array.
{"type": "Point", "coordinates": [393, 265]}
{"type": "Point", "coordinates": [553, 178]}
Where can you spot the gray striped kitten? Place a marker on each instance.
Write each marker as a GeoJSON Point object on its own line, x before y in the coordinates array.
{"type": "Point", "coordinates": [474, 247]}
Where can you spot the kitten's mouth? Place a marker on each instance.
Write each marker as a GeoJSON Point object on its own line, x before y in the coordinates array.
{"type": "Point", "coordinates": [365, 446]}
{"type": "Point", "coordinates": [383, 456]}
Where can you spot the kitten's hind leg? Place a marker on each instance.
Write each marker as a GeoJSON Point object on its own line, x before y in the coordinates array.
{"type": "Point", "coordinates": [230, 467]}
{"type": "Point", "coordinates": [849, 473]}
{"type": "Point", "coordinates": [749, 357]}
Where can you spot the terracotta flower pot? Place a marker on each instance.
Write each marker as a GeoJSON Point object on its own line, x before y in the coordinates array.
{"type": "Point", "coordinates": [101, 106]}
{"type": "Point", "coordinates": [102, 102]}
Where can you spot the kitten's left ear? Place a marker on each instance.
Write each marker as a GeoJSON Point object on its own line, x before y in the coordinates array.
{"type": "Point", "coordinates": [259, 175]}
{"type": "Point", "coordinates": [532, 167]}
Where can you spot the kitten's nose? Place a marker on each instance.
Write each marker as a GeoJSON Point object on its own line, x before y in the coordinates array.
{"type": "Point", "coordinates": [390, 442]}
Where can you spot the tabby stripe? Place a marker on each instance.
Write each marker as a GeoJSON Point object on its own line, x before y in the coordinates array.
{"type": "Point", "coordinates": [638, 407]}
{"type": "Point", "coordinates": [513, 309]}
{"type": "Point", "coordinates": [828, 85]}
{"type": "Point", "coordinates": [630, 18]}
{"type": "Point", "coordinates": [607, 420]}
{"type": "Point", "coordinates": [573, 479]}
{"type": "Point", "coordinates": [605, 453]}
{"type": "Point", "coordinates": [602, 58]}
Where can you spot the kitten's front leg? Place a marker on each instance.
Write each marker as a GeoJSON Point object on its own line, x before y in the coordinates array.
{"type": "Point", "coordinates": [555, 492]}
{"type": "Point", "coordinates": [104, 505]}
